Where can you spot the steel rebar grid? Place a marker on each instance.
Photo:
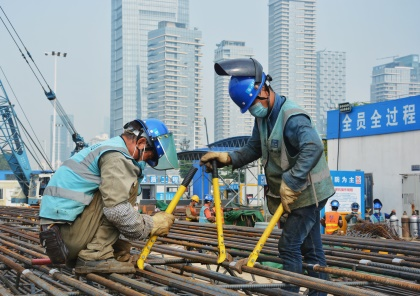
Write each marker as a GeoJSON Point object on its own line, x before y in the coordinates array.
{"type": "Point", "coordinates": [21, 233]}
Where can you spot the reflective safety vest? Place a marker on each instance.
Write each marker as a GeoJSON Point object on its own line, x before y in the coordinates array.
{"type": "Point", "coordinates": [73, 185]}
{"type": "Point", "coordinates": [202, 218]}
{"type": "Point", "coordinates": [331, 222]}
{"type": "Point", "coordinates": [277, 160]}
{"type": "Point", "coordinates": [192, 211]}
{"type": "Point", "coordinates": [377, 218]}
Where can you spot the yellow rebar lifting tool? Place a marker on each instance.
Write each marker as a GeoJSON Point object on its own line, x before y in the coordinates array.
{"type": "Point", "coordinates": [259, 246]}
{"type": "Point", "coordinates": [171, 207]}
{"type": "Point", "coordinates": [219, 218]}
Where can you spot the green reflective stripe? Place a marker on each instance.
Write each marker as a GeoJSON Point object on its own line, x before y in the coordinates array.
{"type": "Point", "coordinates": [318, 177]}
{"type": "Point", "coordinates": [82, 170]}
{"type": "Point", "coordinates": [93, 154]}
{"type": "Point", "coordinates": [293, 111]}
{"type": "Point", "coordinates": [69, 194]}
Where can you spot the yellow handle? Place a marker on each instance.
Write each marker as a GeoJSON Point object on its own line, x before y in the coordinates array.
{"type": "Point", "coordinates": [259, 246]}
{"type": "Point", "coordinates": [171, 207]}
{"type": "Point", "coordinates": [219, 221]}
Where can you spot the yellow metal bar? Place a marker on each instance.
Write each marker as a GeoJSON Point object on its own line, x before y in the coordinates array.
{"type": "Point", "coordinates": [259, 246]}
{"type": "Point", "coordinates": [171, 207]}
{"type": "Point", "coordinates": [147, 248]}
{"type": "Point", "coordinates": [219, 221]}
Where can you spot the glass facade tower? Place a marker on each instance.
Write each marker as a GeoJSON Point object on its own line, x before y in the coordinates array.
{"type": "Point", "coordinates": [228, 119]}
{"type": "Point", "coordinates": [131, 21]}
{"type": "Point", "coordinates": [63, 141]}
{"type": "Point", "coordinates": [291, 50]}
{"type": "Point", "coordinates": [330, 85]}
{"type": "Point", "coordinates": [174, 81]}
{"type": "Point", "coordinates": [398, 79]}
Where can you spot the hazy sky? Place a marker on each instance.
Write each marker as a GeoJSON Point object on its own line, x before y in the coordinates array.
{"type": "Point", "coordinates": [365, 30]}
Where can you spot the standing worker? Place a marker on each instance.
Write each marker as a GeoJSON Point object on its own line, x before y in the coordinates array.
{"type": "Point", "coordinates": [207, 214]}
{"type": "Point", "coordinates": [285, 139]}
{"type": "Point", "coordinates": [378, 216]}
{"type": "Point", "coordinates": [332, 221]}
{"type": "Point", "coordinates": [89, 201]}
{"type": "Point", "coordinates": [190, 211]}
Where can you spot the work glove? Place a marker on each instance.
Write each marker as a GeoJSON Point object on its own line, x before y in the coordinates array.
{"type": "Point", "coordinates": [223, 159]}
{"type": "Point", "coordinates": [162, 222]}
{"type": "Point", "coordinates": [288, 196]}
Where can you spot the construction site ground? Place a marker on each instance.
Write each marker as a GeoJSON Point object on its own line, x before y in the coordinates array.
{"type": "Point", "coordinates": [186, 263]}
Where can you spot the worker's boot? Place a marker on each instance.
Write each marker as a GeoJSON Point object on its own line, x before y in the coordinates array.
{"type": "Point", "coordinates": [103, 266]}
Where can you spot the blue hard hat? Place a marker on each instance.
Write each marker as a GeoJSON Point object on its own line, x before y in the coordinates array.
{"type": "Point", "coordinates": [159, 137]}
{"type": "Point", "coordinates": [243, 92]}
{"type": "Point", "coordinates": [355, 206]}
{"type": "Point", "coordinates": [335, 203]}
{"type": "Point", "coordinates": [208, 198]}
{"type": "Point", "coordinates": [377, 205]}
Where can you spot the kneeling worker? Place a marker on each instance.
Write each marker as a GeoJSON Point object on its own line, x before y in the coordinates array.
{"type": "Point", "coordinates": [89, 201]}
{"type": "Point", "coordinates": [190, 210]}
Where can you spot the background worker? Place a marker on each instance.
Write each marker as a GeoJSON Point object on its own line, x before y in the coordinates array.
{"type": "Point", "coordinates": [207, 214]}
{"type": "Point", "coordinates": [190, 210]}
{"type": "Point", "coordinates": [332, 221]}
{"type": "Point", "coordinates": [378, 216]}
{"type": "Point", "coordinates": [90, 198]}
{"type": "Point", "coordinates": [285, 139]}
{"type": "Point", "coordinates": [353, 217]}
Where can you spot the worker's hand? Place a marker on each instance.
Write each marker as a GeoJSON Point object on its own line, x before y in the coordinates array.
{"type": "Point", "coordinates": [162, 222]}
{"type": "Point", "coordinates": [393, 212]}
{"type": "Point", "coordinates": [222, 158]}
{"type": "Point", "coordinates": [288, 196]}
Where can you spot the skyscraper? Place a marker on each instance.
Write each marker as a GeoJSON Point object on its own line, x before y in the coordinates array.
{"type": "Point", "coordinates": [174, 81]}
{"type": "Point", "coordinates": [398, 79]}
{"type": "Point", "coordinates": [131, 21]}
{"type": "Point", "coordinates": [330, 84]}
{"type": "Point", "coordinates": [228, 120]}
{"type": "Point", "coordinates": [63, 142]}
{"type": "Point", "coordinates": [291, 50]}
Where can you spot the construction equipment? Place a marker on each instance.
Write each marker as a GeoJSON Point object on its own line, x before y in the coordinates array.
{"type": "Point", "coordinates": [171, 207]}
{"type": "Point", "coordinates": [219, 221]}
{"type": "Point", "coordinates": [252, 259]}
{"type": "Point", "coordinates": [51, 96]}
{"type": "Point", "coordinates": [13, 148]}
{"type": "Point", "coordinates": [259, 246]}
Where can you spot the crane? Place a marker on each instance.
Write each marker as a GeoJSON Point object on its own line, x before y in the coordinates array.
{"type": "Point", "coordinates": [13, 148]}
{"type": "Point", "coordinates": [50, 94]}
{"type": "Point", "coordinates": [31, 182]}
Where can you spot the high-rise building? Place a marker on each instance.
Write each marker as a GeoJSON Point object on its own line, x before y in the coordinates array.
{"type": "Point", "coordinates": [63, 142]}
{"type": "Point", "coordinates": [398, 79]}
{"type": "Point", "coordinates": [174, 81]}
{"type": "Point", "coordinates": [330, 84]}
{"type": "Point", "coordinates": [131, 21]}
{"type": "Point", "coordinates": [291, 50]}
{"type": "Point", "coordinates": [228, 120]}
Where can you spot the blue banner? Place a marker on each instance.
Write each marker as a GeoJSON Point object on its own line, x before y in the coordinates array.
{"type": "Point", "coordinates": [374, 119]}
